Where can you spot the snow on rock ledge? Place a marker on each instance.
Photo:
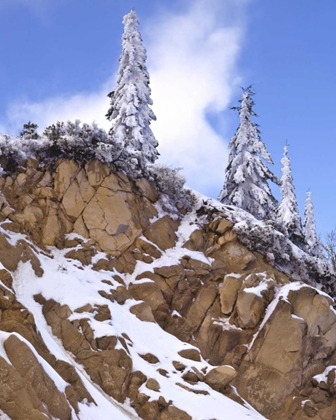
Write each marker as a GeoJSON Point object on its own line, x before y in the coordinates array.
{"type": "Point", "coordinates": [149, 305]}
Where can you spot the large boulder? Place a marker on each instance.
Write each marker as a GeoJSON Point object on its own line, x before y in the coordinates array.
{"type": "Point", "coordinates": [229, 292]}
{"type": "Point", "coordinates": [26, 364]}
{"type": "Point", "coordinates": [219, 377]}
{"type": "Point", "coordinates": [163, 232]}
{"type": "Point", "coordinates": [250, 309]}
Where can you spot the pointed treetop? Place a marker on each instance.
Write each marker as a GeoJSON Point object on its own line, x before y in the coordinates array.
{"type": "Point", "coordinates": [130, 102]}
{"type": "Point", "coordinates": [130, 20]}
{"type": "Point", "coordinates": [309, 226]}
{"type": "Point", "coordinates": [288, 211]}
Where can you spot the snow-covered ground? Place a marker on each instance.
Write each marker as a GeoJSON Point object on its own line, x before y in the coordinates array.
{"type": "Point", "coordinates": [69, 283]}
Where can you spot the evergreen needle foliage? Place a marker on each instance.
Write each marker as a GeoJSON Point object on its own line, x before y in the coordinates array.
{"type": "Point", "coordinates": [288, 211]}
{"type": "Point", "coordinates": [310, 228]}
{"type": "Point", "coordinates": [246, 183]}
{"type": "Point", "coordinates": [130, 110]}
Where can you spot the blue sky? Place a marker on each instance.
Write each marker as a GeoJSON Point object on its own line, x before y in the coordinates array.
{"type": "Point", "coordinates": [59, 59]}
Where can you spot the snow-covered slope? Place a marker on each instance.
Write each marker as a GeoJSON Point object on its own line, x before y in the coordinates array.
{"type": "Point", "coordinates": [113, 304]}
{"type": "Point", "coordinates": [72, 284]}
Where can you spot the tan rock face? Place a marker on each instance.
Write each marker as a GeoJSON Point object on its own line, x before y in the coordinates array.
{"type": "Point", "coordinates": [109, 221]}
{"type": "Point", "coordinates": [143, 312]}
{"type": "Point", "coordinates": [151, 294]}
{"type": "Point", "coordinates": [32, 216]}
{"type": "Point", "coordinates": [235, 256]}
{"type": "Point", "coordinates": [148, 189]}
{"type": "Point", "coordinates": [10, 255]}
{"type": "Point", "coordinates": [173, 413]}
{"type": "Point", "coordinates": [153, 385]}
{"type": "Point", "coordinates": [26, 364]}
{"type": "Point", "coordinates": [109, 368]}
{"type": "Point", "coordinates": [85, 188]}
{"type": "Point", "coordinates": [64, 175]}
{"type": "Point", "coordinates": [26, 390]}
{"type": "Point", "coordinates": [203, 302]}
{"type": "Point", "coordinates": [191, 354]}
{"type": "Point", "coordinates": [218, 378]}
{"type": "Point", "coordinates": [17, 399]}
{"type": "Point", "coordinates": [278, 364]}
{"type": "Point", "coordinates": [250, 309]}
{"type": "Point", "coordinates": [229, 292]}
{"type": "Point", "coordinates": [73, 201]}
{"type": "Point", "coordinates": [52, 228]}
{"type": "Point", "coordinates": [162, 232]}
{"type": "Point", "coordinates": [90, 201]}
{"type": "Point", "coordinates": [215, 299]}
{"type": "Point", "coordinates": [96, 172]}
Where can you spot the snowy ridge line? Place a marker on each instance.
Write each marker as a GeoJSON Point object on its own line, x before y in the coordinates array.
{"type": "Point", "coordinates": [278, 250]}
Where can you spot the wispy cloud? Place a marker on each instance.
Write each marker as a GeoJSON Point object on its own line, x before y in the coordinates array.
{"type": "Point", "coordinates": [41, 8]}
{"type": "Point", "coordinates": [88, 107]}
{"type": "Point", "coordinates": [193, 65]}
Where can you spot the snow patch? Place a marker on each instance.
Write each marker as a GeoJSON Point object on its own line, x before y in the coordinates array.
{"type": "Point", "coordinates": [76, 287]}
{"type": "Point", "coordinates": [323, 377]}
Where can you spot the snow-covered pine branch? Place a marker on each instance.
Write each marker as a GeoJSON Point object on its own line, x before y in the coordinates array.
{"type": "Point", "coordinates": [288, 211]}
{"type": "Point", "coordinates": [246, 183]}
{"type": "Point", "coordinates": [130, 110]}
{"type": "Point", "coordinates": [29, 131]}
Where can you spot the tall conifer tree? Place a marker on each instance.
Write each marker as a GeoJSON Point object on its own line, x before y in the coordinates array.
{"type": "Point", "coordinates": [288, 211]}
{"type": "Point", "coordinates": [310, 228]}
{"type": "Point", "coordinates": [130, 110]}
{"type": "Point", "coordinates": [246, 183]}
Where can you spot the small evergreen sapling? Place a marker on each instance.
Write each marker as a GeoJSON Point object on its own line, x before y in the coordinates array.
{"type": "Point", "coordinates": [246, 183]}
{"type": "Point", "coordinates": [309, 227]}
{"type": "Point", "coordinates": [170, 183]}
{"type": "Point", "coordinates": [288, 211]}
{"type": "Point", "coordinates": [29, 131]}
{"type": "Point", "coordinates": [130, 102]}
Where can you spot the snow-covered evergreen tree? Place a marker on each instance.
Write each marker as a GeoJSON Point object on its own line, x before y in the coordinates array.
{"type": "Point", "coordinates": [309, 227]}
{"type": "Point", "coordinates": [130, 110]}
{"type": "Point", "coordinates": [288, 211]}
{"type": "Point", "coordinates": [246, 183]}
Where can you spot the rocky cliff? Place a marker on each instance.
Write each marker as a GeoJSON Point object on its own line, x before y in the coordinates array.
{"type": "Point", "coordinates": [113, 307]}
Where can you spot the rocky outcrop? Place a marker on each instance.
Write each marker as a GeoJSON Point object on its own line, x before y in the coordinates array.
{"type": "Point", "coordinates": [94, 202]}
{"type": "Point", "coordinates": [296, 343]}
{"type": "Point", "coordinates": [245, 325]}
{"type": "Point", "coordinates": [28, 383]}
{"type": "Point", "coordinates": [26, 389]}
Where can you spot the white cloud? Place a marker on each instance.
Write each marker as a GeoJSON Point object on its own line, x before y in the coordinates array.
{"type": "Point", "coordinates": [88, 107]}
{"type": "Point", "coordinates": [192, 63]}
{"type": "Point", "coordinates": [193, 59]}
